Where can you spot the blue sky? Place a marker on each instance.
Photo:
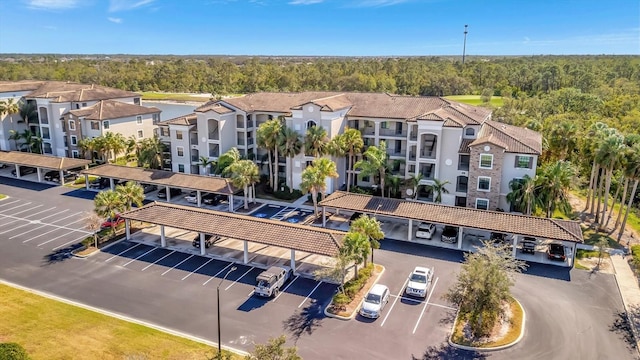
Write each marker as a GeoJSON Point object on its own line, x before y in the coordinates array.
{"type": "Point", "coordinates": [320, 27]}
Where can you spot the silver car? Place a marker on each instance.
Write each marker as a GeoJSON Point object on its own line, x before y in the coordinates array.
{"type": "Point", "coordinates": [375, 301]}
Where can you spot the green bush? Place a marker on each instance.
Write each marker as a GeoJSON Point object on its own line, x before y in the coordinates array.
{"type": "Point", "coordinates": [13, 351]}
{"type": "Point", "coordinates": [635, 254]}
{"type": "Point", "coordinates": [354, 285]}
{"type": "Point", "coordinates": [286, 194]}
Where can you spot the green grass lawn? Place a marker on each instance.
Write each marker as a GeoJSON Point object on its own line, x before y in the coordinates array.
{"type": "Point", "coordinates": [49, 329]}
{"type": "Point", "coordinates": [150, 95]}
{"type": "Point", "coordinates": [591, 237]}
{"type": "Point", "coordinates": [496, 101]}
{"type": "Point", "coordinates": [2, 196]}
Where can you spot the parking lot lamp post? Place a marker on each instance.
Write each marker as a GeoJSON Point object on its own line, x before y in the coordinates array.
{"type": "Point", "coordinates": [218, 293]}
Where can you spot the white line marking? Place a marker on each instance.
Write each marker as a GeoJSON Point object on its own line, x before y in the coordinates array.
{"type": "Point", "coordinates": [24, 219]}
{"type": "Point", "coordinates": [57, 237]}
{"type": "Point", "coordinates": [394, 302]}
{"type": "Point", "coordinates": [286, 287]}
{"type": "Point", "coordinates": [66, 217]}
{"type": "Point", "coordinates": [148, 266]}
{"type": "Point", "coordinates": [426, 303]}
{"type": "Point", "coordinates": [20, 212]}
{"type": "Point", "coordinates": [178, 264]}
{"type": "Point", "coordinates": [70, 242]}
{"type": "Point", "coordinates": [15, 207]}
{"type": "Point", "coordinates": [443, 306]}
{"type": "Point", "coordinates": [227, 288]}
{"type": "Point", "coordinates": [132, 260]}
{"type": "Point", "coordinates": [84, 218]}
{"type": "Point", "coordinates": [58, 213]}
{"type": "Point", "coordinates": [305, 299]}
{"type": "Point", "coordinates": [37, 236]}
{"type": "Point", "coordinates": [216, 275]}
{"type": "Point", "coordinates": [5, 204]}
{"type": "Point", "coordinates": [122, 252]}
{"type": "Point", "coordinates": [196, 270]}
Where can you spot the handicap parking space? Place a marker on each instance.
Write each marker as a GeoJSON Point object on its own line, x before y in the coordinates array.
{"type": "Point", "coordinates": [289, 214]}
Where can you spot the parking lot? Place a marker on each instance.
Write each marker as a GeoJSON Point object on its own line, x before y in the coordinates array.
{"type": "Point", "coordinates": [289, 214]}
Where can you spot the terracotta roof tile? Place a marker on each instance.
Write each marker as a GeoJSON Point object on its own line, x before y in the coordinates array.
{"type": "Point", "coordinates": [24, 85]}
{"type": "Point", "coordinates": [458, 216]}
{"type": "Point", "coordinates": [43, 161]}
{"type": "Point", "coordinates": [241, 227]}
{"type": "Point", "coordinates": [187, 120]}
{"type": "Point", "coordinates": [464, 146]}
{"type": "Point", "coordinates": [58, 91]}
{"type": "Point", "coordinates": [215, 106]}
{"type": "Point", "coordinates": [513, 138]}
{"type": "Point", "coordinates": [111, 109]}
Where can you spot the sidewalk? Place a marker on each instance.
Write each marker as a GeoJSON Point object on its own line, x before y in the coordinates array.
{"type": "Point", "coordinates": [630, 292]}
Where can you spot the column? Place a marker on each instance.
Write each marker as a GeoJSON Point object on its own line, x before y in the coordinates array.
{"type": "Point", "coordinates": [127, 226]}
{"type": "Point", "coordinates": [410, 230]}
{"type": "Point", "coordinates": [39, 172]}
{"type": "Point", "coordinates": [573, 254]}
{"type": "Point", "coordinates": [246, 252]}
{"type": "Point", "coordinates": [112, 184]}
{"type": "Point", "coordinates": [61, 172]}
{"type": "Point", "coordinates": [17, 171]}
{"type": "Point", "coordinates": [293, 261]}
{"type": "Point", "coordinates": [163, 240]}
{"type": "Point", "coordinates": [515, 242]}
{"type": "Point", "coordinates": [460, 233]}
{"type": "Point", "coordinates": [86, 181]}
{"type": "Point", "coordinates": [168, 193]}
{"type": "Point", "coordinates": [324, 216]}
{"type": "Point", "coordinates": [231, 204]}
{"type": "Point", "coordinates": [198, 194]}
{"type": "Point", "coordinates": [203, 249]}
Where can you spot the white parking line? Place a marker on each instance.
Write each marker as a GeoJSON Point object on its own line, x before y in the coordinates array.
{"type": "Point", "coordinates": [57, 237]}
{"type": "Point", "coordinates": [216, 275]}
{"type": "Point", "coordinates": [35, 237]}
{"type": "Point", "coordinates": [122, 252]}
{"type": "Point", "coordinates": [83, 219]}
{"type": "Point", "coordinates": [305, 299]}
{"type": "Point", "coordinates": [196, 270]}
{"type": "Point", "coordinates": [24, 219]}
{"type": "Point", "coordinates": [443, 306]}
{"type": "Point", "coordinates": [425, 305]}
{"type": "Point", "coordinates": [394, 302]}
{"type": "Point", "coordinates": [15, 207]}
{"type": "Point", "coordinates": [227, 288]}
{"type": "Point", "coordinates": [148, 266]}
{"type": "Point", "coordinates": [132, 260]}
{"type": "Point", "coordinates": [66, 217]}
{"type": "Point", "coordinates": [178, 264]}
{"type": "Point", "coordinates": [58, 213]}
{"type": "Point", "coordinates": [29, 209]}
{"type": "Point", "coordinates": [69, 243]}
{"type": "Point", "coordinates": [286, 287]}
{"type": "Point", "coordinates": [8, 203]}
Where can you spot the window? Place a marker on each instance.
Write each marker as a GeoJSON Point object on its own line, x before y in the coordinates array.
{"type": "Point", "coordinates": [74, 140]}
{"type": "Point", "coordinates": [524, 162]}
{"type": "Point", "coordinates": [180, 150]}
{"type": "Point", "coordinates": [311, 124]}
{"type": "Point", "coordinates": [84, 104]}
{"type": "Point", "coordinates": [105, 124]}
{"type": "Point", "coordinates": [77, 106]}
{"type": "Point", "coordinates": [47, 148]}
{"type": "Point", "coordinates": [164, 131]}
{"type": "Point", "coordinates": [75, 154]}
{"type": "Point", "coordinates": [66, 142]}
{"type": "Point", "coordinates": [140, 134]}
{"type": "Point", "coordinates": [156, 118]}
{"type": "Point", "coordinates": [181, 168]}
{"type": "Point", "coordinates": [482, 204]}
{"type": "Point", "coordinates": [484, 183]}
{"type": "Point", "coordinates": [139, 119]}
{"type": "Point", "coordinates": [470, 132]}
{"type": "Point", "coordinates": [45, 133]}
{"type": "Point", "coordinates": [72, 125]}
{"type": "Point", "coordinates": [95, 125]}
{"type": "Point", "coordinates": [64, 126]}
{"type": "Point", "coordinates": [179, 135]}
{"type": "Point", "coordinates": [136, 101]}
{"type": "Point", "coordinates": [384, 125]}
{"type": "Point", "coordinates": [486, 161]}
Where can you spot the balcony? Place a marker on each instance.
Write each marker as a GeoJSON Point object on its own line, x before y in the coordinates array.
{"type": "Point", "coordinates": [412, 156]}
{"type": "Point", "coordinates": [413, 135]}
{"type": "Point", "coordinates": [214, 134]}
{"type": "Point", "coordinates": [249, 141]}
{"type": "Point", "coordinates": [193, 140]}
{"type": "Point", "coordinates": [214, 150]}
{"type": "Point", "coordinates": [368, 129]}
{"type": "Point", "coordinates": [393, 133]}
{"type": "Point", "coordinates": [240, 141]}
{"type": "Point", "coordinates": [249, 124]}
{"type": "Point", "coordinates": [463, 162]}
{"type": "Point", "coordinates": [427, 171]}
{"type": "Point", "coordinates": [397, 152]}
{"type": "Point", "coordinates": [463, 167]}
{"type": "Point", "coordinates": [240, 123]}
{"type": "Point", "coordinates": [462, 184]}
{"type": "Point", "coordinates": [195, 158]}
{"type": "Point", "coordinates": [428, 154]}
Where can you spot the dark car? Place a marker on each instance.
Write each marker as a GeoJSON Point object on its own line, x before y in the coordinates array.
{"type": "Point", "coordinates": [24, 170]}
{"type": "Point", "coordinates": [55, 176]}
{"type": "Point", "coordinates": [354, 216]}
{"type": "Point", "coordinates": [449, 234]}
{"type": "Point", "coordinates": [208, 240]}
{"type": "Point", "coordinates": [100, 183]}
{"type": "Point", "coordinates": [212, 199]}
{"type": "Point", "coordinates": [556, 252]}
{"type": "Point", "coordinates": [147, 188]}
{"type": "Point", "coordinates": [528, 245]}
{"type": "Point", "coordinates": [162, 194]}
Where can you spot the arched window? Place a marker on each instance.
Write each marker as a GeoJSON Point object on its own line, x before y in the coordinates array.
{"type": "Point", "coordinates": [470, 132]}
{"type": "Point", "coordinates": [311, 124]}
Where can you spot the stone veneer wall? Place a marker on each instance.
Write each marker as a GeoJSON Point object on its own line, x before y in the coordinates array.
{"type": "Point", "coordinates": [495, 173]}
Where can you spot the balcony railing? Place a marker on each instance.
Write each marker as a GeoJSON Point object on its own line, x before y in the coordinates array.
{"type": "Point", "coordinates": [394, 133]}
{"type": "Point", "coordinates": [249, 141]}
{"type": "Point", "coordinates": [400, 152]}
{"type": "Point", "coordinates": [428, 154]}
{"type": "Point", "coordinates": [412, 156]}
{"type": "Point", "coordinates": [461, 188]}
{"type": "Point", "coordinates": [214, 135]}
{"type": "Point", "coordinates": [239, 124]}
{"type": "Point", "coordinates": [463, 166]}
{"type": "Point", "coordinates": [193, 141]}
{"type": "Point", "coordinates": [240, 141]}
{"type": "Point", "coordinates": [368, 130]}
{"type": "Point", "coordinates": [195, 158]}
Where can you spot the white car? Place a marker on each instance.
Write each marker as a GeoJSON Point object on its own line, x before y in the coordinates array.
{"type": "Point", "coordinates": [375, 301]}
{"type": "Point", "coordinates": [425, 230]}
{"type": "Point", "coordinates": [192, 197]}
{"type": "Point", "coordinates": [419, 282]}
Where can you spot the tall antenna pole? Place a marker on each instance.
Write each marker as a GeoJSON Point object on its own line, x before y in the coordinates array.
{"type": "Point", "coordinates": [464, 47]}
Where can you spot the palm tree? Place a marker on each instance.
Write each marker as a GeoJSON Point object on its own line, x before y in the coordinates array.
{"type": "Point", "coordinates": [15, 136]}
{"type": "Point", "coordinates": [627, 172]}
{"type": "Point", "coordinates": [244, 173]}
{"type": "Point", "coordinates": [371, 228]}
{"type": "Point", "coordinates": [394, 184]}
{"type": "Point", "coordinates": [608, 155]}
{"type": "Point", "coordinates": [86, 145]}
{"type": "Point", "coordinates": [415, 182]}
{"type": "Point", "coordinates": [131, 193]}
{"type": "Point", "coordinates": [523, 193]}
{"type": "Point", "coordinates": [315, 141]}
{"type": "Point", "coordinates": [131, 146]}
{"type": "Point", "coordinates": [290, 146]}
{"type": "Point", "coordinates": [28, 111]}
{"type": "Point", "coordinates": [374, 163]}
{"type": "Point", "coordinates": [267, 135]}
{"type": "Point", "coordinates": [356, 247]}
{"type": "Point", "coordinates": [32, 142]}
{"type": "Point", "coordinates": [438, 188]}
{"type": "Point", "coordinates": [227, 159]}
{"type": "Point", "coordinates": [554, 182]}
{"type": "Point", "coordinates": [591, 142]}
{"type": "Point", "coordinates": [353, 142]}
{"type": "Point", "coordinates": [633, 172]}
{"type": "Point", "coordinates": [151, 153]}
{"type": "Point", "coordinates": [205, 163]}
{"type": "Point", "coordinates": [314, 178]}
{"type": "Point", "coordinates": [108, 204]}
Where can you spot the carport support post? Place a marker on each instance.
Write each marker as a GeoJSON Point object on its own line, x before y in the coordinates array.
{"type": "Point", "coordinates": [199, 199]}
{"type": "Point", "coordinates": [460, 231]}
{"type": "Point", "coordinates": [168, 193]}
{"type": "Point", "coordinates": [112, 184]}
{"type": "Point", "coordinates": [127, 226]}
{"type": "Point", "coordinates": [324, 216]}
{"type": "Point", "coordinates": [231, 210]}
{"type": "Point", "coordinates": [293, 261]}
{"type": "Point", "coordinates": [39, 171]}
{"type": "Point", "coordinates": [246, 252]}
{"type": "Point", "coordinates": [515, 242]}
{"type": "Point", "coordinates": [86, 181]}
{"type": "Point", "coordinates": [163, 240]}
{"type": "Point", "coordinates": [61, 172]}
{"type": "Point", "coordinates": [17, 171]}
{"type": "Point", "coordinates": [202, 249]}
{"type": "Point", "coordinates": [410, 231]}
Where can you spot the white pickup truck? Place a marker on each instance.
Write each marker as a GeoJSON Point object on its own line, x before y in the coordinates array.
{"type": "Point", "coordinates": [271, 281]}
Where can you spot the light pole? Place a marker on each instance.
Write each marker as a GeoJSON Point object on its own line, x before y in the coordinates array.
{"type": "Point", "coordinates": [218, 293]}
{"type": "Point", "coordinates": [464, 47]}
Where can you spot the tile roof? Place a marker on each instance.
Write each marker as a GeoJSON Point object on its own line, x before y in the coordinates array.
{"type": "Point", "coordinates": [59, 91]}
{"type": "Point", "coordinates": [165, 178]}
{"type": "Point", "coordinates": [24, 85]}
{"type": "Point", "coordinates": [187, 120]}
{"type": "Point", "coordinates": [513, 139]}
{"type": "Point", "coordinates": [42, 161]}
{"type": "Point", "coordinates": [331, 103]}
{"type": "Point", "coordinates": [458, 216]}
{"type": "Point", "coordinates": [241, 227]}
{"type": "Point", "coordinates": [464, 146]}
{"type": "Point", "coordinates": [215, 106]}
{"type": "Point", "coordinates": [112, 109]}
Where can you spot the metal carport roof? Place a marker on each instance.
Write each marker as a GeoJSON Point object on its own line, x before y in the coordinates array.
{"type": "Point", "coordinates": [41, 161]}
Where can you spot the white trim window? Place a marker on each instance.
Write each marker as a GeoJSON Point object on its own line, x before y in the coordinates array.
{"type": "Point", "coordinates": [482, 204]}
{"type": "Point", "coordinates": [105, 125]}
{"type": "Point", "coordinates": [95, 125]}
{"type": "Point", "coordinates": [484, 183]}
{"type": "Point", "coordinates": [470, 132]}
{"type": "Point", "coordinates": [74, 140]}
{"type": "Point", "coordinates": [524, 162]}
{"type": "Point", "coordinates": [75, 154]}
{"type": "Point", "coordinates": [140, 134]}
{"type": "Point", "coordinates": [180, 150]}
{"type": "Point", "coordinates": [486, 161]}
{"type": "Point", "coordinates": [311, 124]}
{"type": "Point", "coordinates": [178, 135]}
{"type": "Point", "coordinates": [139, 119]}
{"type": "Point", "coordinates": [181, 168]}
{"type": "Point", "coordinates": [72, 125]}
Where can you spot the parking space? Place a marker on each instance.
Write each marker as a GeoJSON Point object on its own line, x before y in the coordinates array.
{"type": "Point", "coordinates": [289, 214]}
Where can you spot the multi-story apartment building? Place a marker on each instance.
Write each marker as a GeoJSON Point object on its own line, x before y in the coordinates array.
{"type": "Point", "coordinates": [55, 103]}
{"type": "Point", "coordinates": [431, 136]}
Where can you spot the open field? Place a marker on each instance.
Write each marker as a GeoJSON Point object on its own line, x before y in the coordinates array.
{"type": "Point", "coordinates": [496, 101]}
{"type": "Point", "coordinates": [48, 329]}
{"type": "Point", "coordinates": [151, 95]}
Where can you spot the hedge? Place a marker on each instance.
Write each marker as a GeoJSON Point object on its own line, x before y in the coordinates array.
{"type": "Point", "coordinates": [12, 351]}
{"type": "Point", "coordinates": [352, 287]}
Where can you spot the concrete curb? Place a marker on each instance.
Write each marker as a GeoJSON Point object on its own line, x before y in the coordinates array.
{"type": "Point", "coordinates": [495, 348]}
{"type": "Point", "coordinates": [355, 311]}
{"type": "Point", "coordinates": [122, 317]}
{"type": "Point", "coordinates": [632, 323]}
{"type": "Point", "coordinates": [5, 197]}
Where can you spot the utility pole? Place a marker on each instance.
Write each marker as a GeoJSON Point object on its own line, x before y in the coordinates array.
{"type": "Point", "coordinates": [464, 47]}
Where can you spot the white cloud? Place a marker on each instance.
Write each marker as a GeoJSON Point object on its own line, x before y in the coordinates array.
{"type": "Point", "coordinates": [124, 5]}
{"type": "Point", "coordinates": [52, 4]}
{"type": "Point", "coordinates": [305, 2]}
{"type": "Point", "coordinates": [115, 20]}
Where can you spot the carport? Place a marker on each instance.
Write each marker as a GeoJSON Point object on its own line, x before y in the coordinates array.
{"type": "Point", "coordinates": [168, 179]}
{"type": "Point", "coordinates": [39, 161]}
{"type": "Point", "coordinates": [567, 232]}
{"type": "Point", "coordinates": [280, 234]}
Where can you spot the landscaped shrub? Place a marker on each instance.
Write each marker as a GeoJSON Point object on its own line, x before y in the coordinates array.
{"type": "Point", "coordinates": [354, 285]}
{"type": "Point", "coordinates": [635, 254]}
{"type": "Point", "coordinates": [286, 194]}
{"type": "Point", "coordinates": [13, 351]}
